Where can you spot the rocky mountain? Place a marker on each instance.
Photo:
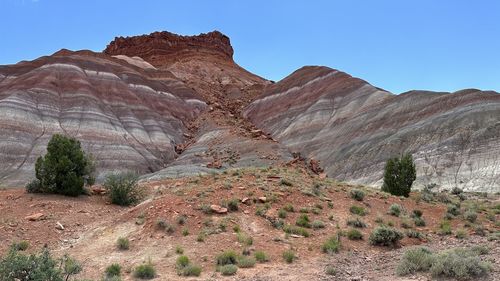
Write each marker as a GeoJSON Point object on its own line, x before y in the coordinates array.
{"type": "Point", "coordinates": [352, 128]}
{"type": "Point", "coordinates": [167, 105]}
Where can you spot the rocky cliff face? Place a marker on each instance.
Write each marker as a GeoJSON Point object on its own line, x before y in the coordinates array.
{"type": "Point", "coordinates": [124, 117]}
{"type": "Point", "coordinates": [353, 127]}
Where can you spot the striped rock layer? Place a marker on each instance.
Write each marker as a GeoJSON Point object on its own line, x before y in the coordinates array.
{"type": "Point", "coordinates": [353, 127]}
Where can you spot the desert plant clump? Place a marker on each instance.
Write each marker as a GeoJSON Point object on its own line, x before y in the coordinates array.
{"type": "Point", "coordinates": [457, 263]}
{"type": "Point", "coordinates": [395, 210]}
{"type": "Point", "coordinates": [357, 222]}
{"type": "Point", "coordinates": [261, 256]}
{"type": "Point", "coordinates": [330, 270]}
{"type": "Point", "coordinates": [357, 194]}
{"type": "Point", "coordinates": [164, 225]}
{"type": "Point", "coordinates": [244, 238]}
{"type": "Point", "coordinates": [317, 224]}
{"type": "Point", "coordinates": [181, 220]}
{"type": "Point", "coordinates": [461, 234]}
{"type": "Point", "coordinates": [399, 175]}
{"type": "Point", "coordinates": [354, 234]}
{"type": "Point", "coordinates": [227, 257]}
{"type": "Point", "coordinates": [289, 256]}
{"type": "Point", "coordinates": [282, 214]}
{"type": "Point", "coordinates": [292, 229]}
{"type": "Point", "coordinates": [185, 268]}
{"type": "Point", "coordinates": [246, 262]}
{"type": "Point", "coordinates": [332, 245]}
{"type": "Point", "coordinates": [289, 208]}
{"type": "Point", "coordinates": [65, 169]}
{"type": "Point", "coordinates": [357, 210]}
{"type": "Point", "coordinates": [145, 271]}
{"type": "Point", "coordinates": [123, 189]}
{"type": "Point", "coordinates": [445, 227]}
{"type": "Point", "coordinates": [453, 210]}
{"type": "Point", "coordinates": [385, 236]}
{"type": "Point", "coordinates": [303, 221]}
{"type": "Point", "coordinates": [20, 246]}
{"type": "Point", "coordinates": [179, 250]}
{"type": "Point", "coordinates": [419, 221]}
{"type": "Point", "coordinates": [113, 270]}
{"type": "Point", "coordinates": [123, 243]}
{"type": "Point", "coordinates": [470, 216]}
{"type": "Point", "coordinates": [232, 205]}
{"type": "Point", "coordinates": [228, 269]}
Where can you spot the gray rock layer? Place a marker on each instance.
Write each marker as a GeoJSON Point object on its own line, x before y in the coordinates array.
{"type": "Point", "coordinates": [353, 127]}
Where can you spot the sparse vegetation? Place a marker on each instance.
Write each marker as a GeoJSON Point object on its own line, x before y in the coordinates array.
{"type": "Point", "coordinates": [357, 194]}
{"type": "Point", "coordinates": [317, 224]}
{"type": "Point", "coordinates": [445, 227]}
{"type": "Point", "coordinates": [113, 270]}
{"type": "Point", "coordinates": [399, 175]}
{"type": "Point", "coordinates": [395, 210]}
{"type": "Point", "coordinates": [65, 169]}
{"type": "Point", "coordinates": [227, 257]}
{"type": "Point", "coordinates": [357, 210]}
{"type": "Point", "coordinates": [303, 221]}
{"type": "Point", "coordinates": [419, 221]}
{"type": "Point", "coordinates": [20, 246]}
{"type": "Point", "coordinates": [458, 263]}
{"type": "Point", "coordinates": [179, 250]}
{"type": "Point", "coordinates": [232, 205]}
{"type": "Point", "coordinates": [289, 208]}
{"type": "Point", "coordinates": [289, 256]}
{"type": "Point", "coordinates": [246, 262]}
{"type": "Point", "coordinates": [332, 245]}
{"type": "Point", "coordinates": [123, 189]}
{"type": "Point", "coordinates": [470, 216]}
{"type": "Point", "coordinates": [261, 256]}
{"type": "Point", "coordinates": [145, 271]}
{"type": "Point", "coordinates": [354, 234]}
{"type": "Point", "coordinates": [385, 236]}
{"type": "Point", "coordinates": [282, 214]}
{"type": "Point", "coordinates": [123, 243]}
{"type": "Point", "coordinates": [244, 238]}
{"type": "Point", "coordinates": [357, 222]}
{"type": "Point", "coordinates": [292, 229]}
{"type": "Point", "coordinates": [330, 270]}
{"type": "Point", "coordinates": [228, 269]}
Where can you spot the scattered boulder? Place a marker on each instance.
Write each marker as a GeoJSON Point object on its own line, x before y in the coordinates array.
{"type": "Point", "coordinates": [263, 199]}
{"type": "Point", "coordinates": [35, 217]}
{"type": "Point", "coordinates": [218, 209]}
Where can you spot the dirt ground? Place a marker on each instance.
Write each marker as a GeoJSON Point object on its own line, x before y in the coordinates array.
{"type": "Point", "coordinates": [92, 227]}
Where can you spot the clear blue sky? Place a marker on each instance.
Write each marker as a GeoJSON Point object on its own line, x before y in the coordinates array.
{"type": "Point", "coordinates": [397, 45]}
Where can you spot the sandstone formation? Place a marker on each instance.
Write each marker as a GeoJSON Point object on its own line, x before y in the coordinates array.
{"type": "Point", "coordinates": [353, 127]}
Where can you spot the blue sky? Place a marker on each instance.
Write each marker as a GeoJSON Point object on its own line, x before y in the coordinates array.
{"type": "Point", "coordinates": [397, 45]}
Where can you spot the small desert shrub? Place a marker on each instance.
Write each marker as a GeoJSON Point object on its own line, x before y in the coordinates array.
{"type": "Point", "coordinates": [182, 261]}
{"type": "Point", "coordinates": [232, 205]}
{"type": "Point", "coordinates": [332, 245]}
{"type": "Point", "coordinates": [113, 270]}
{"type": "Point", "coordinates": [419, 221]}
{"type": "Point", "coordinates": [304, 210]}
{"type": "Point", "coordinates": [357, 222]}
{"type": "Point", "coordinates": [415, 260]}
{"type": "Point", "coordinates": [20, 246]}
{"type": "Point", "coordinates": [145, 271]}
{"type": "Point", "coordinates": [244, 238]}
{"type": "Point", "coordinates": [227, 257]}
{"type": "Point", "coordinates": [395, 210]}
{"type": "Point", "coordinates": [165, 225]}
{"type": "Point", "coordinates": [282, 213]}
{"type": "Point", "coordinates": [228, 269]}
{"type": "Point", "coordinates": [453, 210]}
{"type": "Point", "coordinates": [414, 234]}
{"type": "Point", "coordinates": [357, 210]}
{"type": "Point", "coordinates": [181, 220]}
{"type": "Point", "coordinates": [416, 213]}
{"type": "Point", "coordinates": [292, 229]}
{"type": "Point", "coordinates": [354, 234]}
{"type": "Point", "coordinates": [201, 237]}
{"type": "Point", "coordinates": [445, 227]}
{"type": "Point", "coordinates": [289, 208]}
{"type": "Point", "coordinates": [385, 236]}
{"type": "Point", "coordinates": [123, 189]}
{"type": "Point", "coordinates": [303, 221]}
{"type": "Point", "coordinates": [34, 186]}
{"type": "Point", "coordinates": [246, 262]}
{"type": "Point", "coordinates": [470, 216]}
{"type": "Point", "coordinates": [285, 182]}
{"type": "Point", "coordinates": [330, 270]}
{"type": "Point", "coordinates": [261, 256]}
{"type": "Point", "coordinates": [122, 243]}
{"type": "Point", "coordinates": [456, 191]}
{"type": "Point", "coordinates": [190, 270]}
{"type": "Point", "coordinates": [317, 224]}
{"type": "Point", "coordinates": [460, 264]}
{"type": "Point", "coordinates": [406, 223]}
{"type": "Point", "coordinates": [461, 234]}
{"type": "Point", "coordinates": [289, 256]}
{"type": "Point", "coordinates": [179, 250]}
{"type": "Point", "coordinates": [357, 194]}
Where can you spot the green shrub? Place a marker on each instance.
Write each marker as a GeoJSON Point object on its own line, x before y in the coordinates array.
{"type": "Point", "coordinates": [261, 256]}
{"type": "Point", "coordinates": [145, 271]}
{"type": "Point", "coordinates": [385, 236]}
{"type": "Point", "coordinates": [419, 221]}
{"type": "Point", "coordinates": [303, 221]}
{"type": "Point", "coordinates": [282, 213]}
{"type": "Point", "coordinates": [354, 234]}
{"type": "Point", "coordinates": [113, 270]}
{"type": "Point", "coordinates": [228, 269]}
{"type": "Point", "coordinates": [453, 210]}
{"type": "Point", "coordinates": [416, 213]}
{"type": "Point", "coordinates": [232, 205]}
{"type": "Point", "coordinates": [399, 175]}
{"type": "Point", "coordinates": [357, 194]}
{"type": "Point", "coordinates": [445, 227]}
{"type": "Point", "coordinates": [332, 245]}
{"type": "Point", "coordinates": [246, 262]}
{"type": "Point", "coordinates": [292, 229]}
{"type": "Point", "coordinates": [317, 224]}
{"type": "Point", "coordinates": [18, 266]}
{"type": "Point", "coordinates": [286, 182]}
{"type": "Point", "coordinates": [227, 257]}
{"type": "Point", "coordinates": [406, 223]}
{"type": "Point", "coordinates": [357, 222]}
{"type": "Point", "coordinates": [181, 220]}
{"type": "Point", "coordinates": [190, 270]}
{"type": "Point", "coordinates": [182, 261]}
{"type": "Point", "coordinates": [289, 256]}
{"type": "Point", "coordinates": [244, 238]}
{"type": "Point", "coordinates": [179, 250]}
{"type": "Point", "coordinates": [414, 234]}
{"type": "Point", "coordinates": [289, 208]}
{"type": "Point", "coordinates": [165, 225]}
{"type": "Point", "coordinates": [123, 243]}
{"type": "Point", "coordinates": [123, 189]}
{"type": "Point", "coordinates": [64, 169]}
{"type": "Point", "coordinates": [415, 260]}
{"type": "Point", "coordinates": [461, 234]}
{"type": "Point", "coordinates": [185, 232]}
{"type": "Point", "coordinates": [20, 246]}
{"type": "Point", "coordinates": [330, 270]}
{"type": "Point", "coordinates": [357, 210]}
{"type": "Point", "coordinates": [470, 216]}
{"type": "Point", "coordinates": [395, 210]}
{"type": "Point", "coordinates": [459, 263]}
